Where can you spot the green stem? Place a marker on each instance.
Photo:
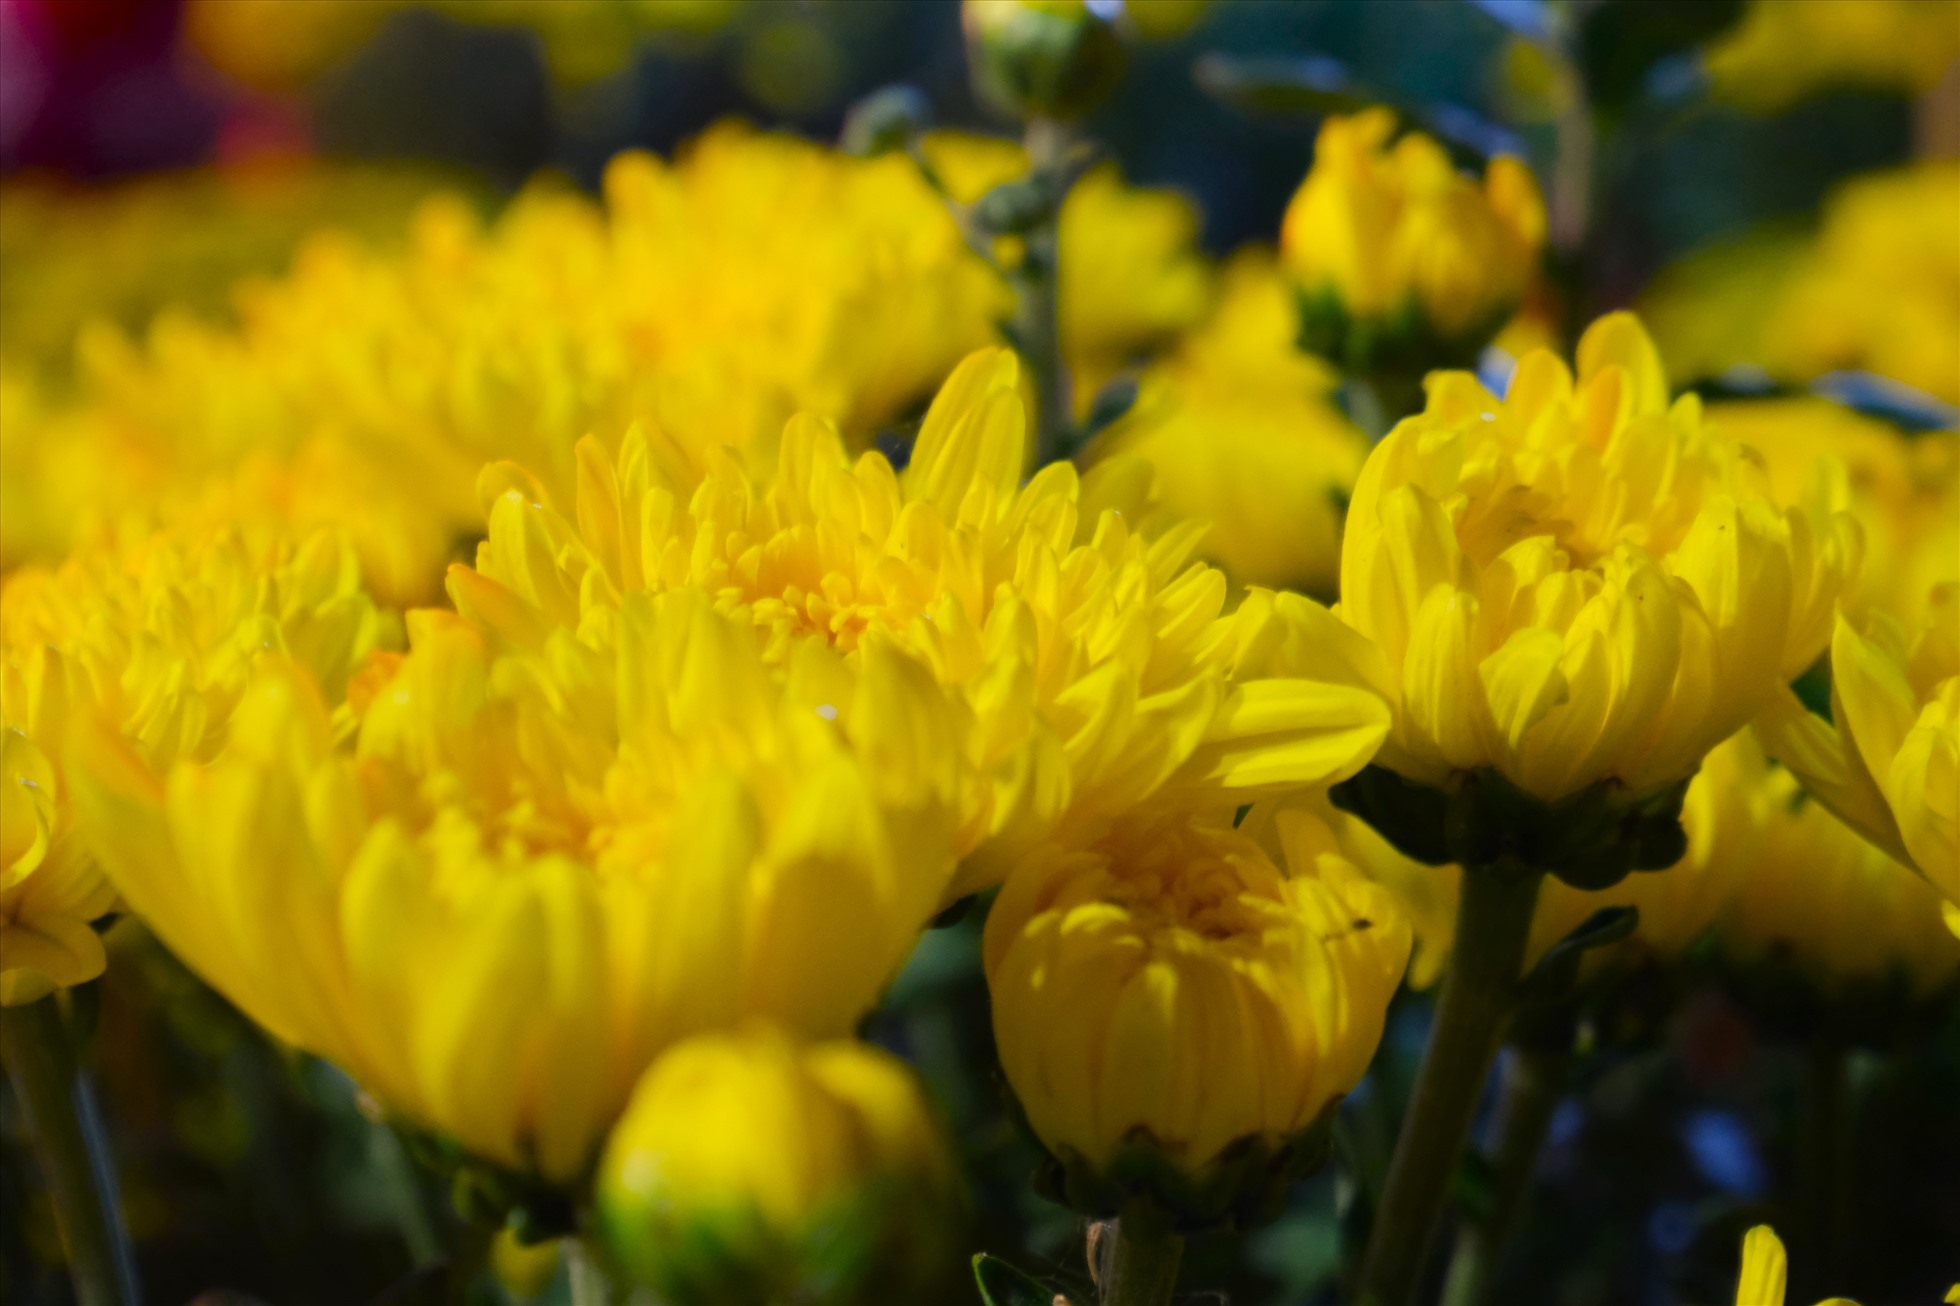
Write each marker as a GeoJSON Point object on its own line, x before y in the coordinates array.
{"type": "Point", "coordinates": [1140, 1256]}
{"type": "Point", "coordinates": [1037, 300]}
{"type": "Point", "coordinates": [59, 1109]}
{"type": "Point", "coordinates": [1533, 1081]}
{"type": "Point", "coordinates": [1492, 924]}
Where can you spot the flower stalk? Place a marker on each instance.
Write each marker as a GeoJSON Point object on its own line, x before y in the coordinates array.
{"type": "Point", "coordinates": [1140, 1255]}
{"type": "Point", "coordinates": [1036, 283]}
{"type": "Point", "coordinates": [1492, 926]}
{"type": "Point", "coordinates": [66, 1132]}
{"type": "Point", "coordinates": [1533, 1081]}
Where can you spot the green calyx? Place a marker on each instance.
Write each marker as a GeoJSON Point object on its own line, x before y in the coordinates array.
{"type": "Point", "coordinates": [1041, 61]}
{"type": "Point", "coordinates": [1591, 840]}
{"type": "Point", "coordinates": [1243, 1187]}
{"type": "Point", "coordinates": [878, 1244]}
{"type": "Point", "coordinates": [1401, 344]}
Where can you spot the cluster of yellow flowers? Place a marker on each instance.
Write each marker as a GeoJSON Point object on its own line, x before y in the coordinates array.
{"type": "Point", "coordinates": [283, 45]}
{"type": "Point", "coordinates": [1781, 52]}
{"type": "Point", "coordinates": [1876, 288]}
{"type": "Point", "coordinates": [380, 383]}
{"type": "Point", "coordinates": [595, 868]}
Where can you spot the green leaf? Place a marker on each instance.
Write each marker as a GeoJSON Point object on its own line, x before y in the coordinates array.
{"type": "Point", "coordinates": [1003, 1285]}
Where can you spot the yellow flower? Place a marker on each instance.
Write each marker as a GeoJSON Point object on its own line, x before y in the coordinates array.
{"type": "Point", "coordinates": [1881, 291]}
{"type": "Point", "coordinates": [1765, 1271]}
{"type": "Point", "coordinates": [1877, 288]}
{"type": "Point", "coordinates": [1781, 52]}
{"type": "Point", "coordinates": [1131, 274]}
{"type": "Point", "coordinates": [282, 45]}
{"type": "Point", "coordinates": [156, 636]}
{"type": "Point", "coordinates": [1809, 889]}
{"type": "Point", "coordinates": [1903, 490]}
{"type": "Point", "coordinates": [1172, 989]}
{"type": "Point", "coordinates": [1676, 906]}
{"type": "Point", "coordinates": [534, 871]}
{"type": "Point", "coordinates": [1242, 434]}
{"type": "Point", "coordinates": [127, 250]}
{"type": "Point", "coordinates": [1888, 760]}
{"type": "Point", "coordinates": [408, 371]}
{"type": "Point", "coordinates": [1092, 669]}
{"type": "Point", "coordinates": [1394, 237]}
{"type": "Point", "coordinates": [748, 1169]}
{"type": "Point", "coordinates": [1579, 585]}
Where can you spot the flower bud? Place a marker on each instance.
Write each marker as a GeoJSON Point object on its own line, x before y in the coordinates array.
{"type": "Point", "coordinates": [747, 1168]}
{"type": "Point", "coordinates": [1176, 1013]}
{"type": "Point", "coordinates": [1041, 58]}
{"type": "Point", "coordinates": [1402, 263]}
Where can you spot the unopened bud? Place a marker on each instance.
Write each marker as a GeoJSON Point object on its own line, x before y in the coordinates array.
{"type": "Point", "coordinates": [1041, 58]}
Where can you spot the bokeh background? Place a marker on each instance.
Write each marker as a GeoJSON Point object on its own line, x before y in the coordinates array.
{"type": "Point", "coordinates": [157, 153]}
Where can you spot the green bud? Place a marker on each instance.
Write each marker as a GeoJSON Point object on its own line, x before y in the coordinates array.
{"type": "Point", "coordinates": [884, 121]}
{"type": "Point", "coordinates": [1041, 58]}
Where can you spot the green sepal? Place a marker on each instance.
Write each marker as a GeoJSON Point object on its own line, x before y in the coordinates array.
{"type": "Point", "coordinates": [1591, 840]}
{"type": "Point", "coordinates": [1244, 1187]}
{"type": "Point", "coordinates": [1394, 349]}
{"type": "Point", "coordinates": [1001, 1284]}
{"type": "Point", "coordinates": [1549, 997]}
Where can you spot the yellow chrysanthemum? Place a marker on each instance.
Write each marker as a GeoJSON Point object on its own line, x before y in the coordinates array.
{"type": "Point", "coordinates": [283, 45]}
{"type": "Point", "coordinates": [748, 1169]}
{"type": "Point", "coordinates": [124, 251]}
{"type": "Point", "coordinates": [686, 300]}
{"type": "Point", "coordinates": [1173, 986]}
{"type": "Point", "coordinates": [1676, 906]}
{"type": "Point", "coordinates": [1092, 668]}
{"type": "Point", "coordinates": [534, 871]}
{"type": "Point", "coordinates": [1903, 490]}
{"type": "Point", "coordinates": [1882, 289]}
{"type": "Point", "coordinates": [1765, 1271]}
{"type": "Point", "coordinates": [1877, 289]}
{"type": "Point", "coordinates": [1387, 231]}
{"type": "Point", "coordinates": [1580, 583]}
{"type": "Point", "coordinates": [1781, 52]}
{"type": "Point", "coordinates": [1810, 890]}
{"type": "Point", "coordinates": [1242, 434]}
{"type": "Point", "coordinates": [1888, 760]}
{"type": "Point", "coordinates": [1131, 275]}
{"type": "Point", "coordinates": [156, 636]}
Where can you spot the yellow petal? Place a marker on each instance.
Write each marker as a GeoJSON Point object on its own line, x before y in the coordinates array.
{"type": "Point", "coordinates": [1763, 1269]}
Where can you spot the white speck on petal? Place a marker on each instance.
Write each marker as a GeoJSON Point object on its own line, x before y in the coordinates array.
{"type": "Point", "coordinates": [828, 711]}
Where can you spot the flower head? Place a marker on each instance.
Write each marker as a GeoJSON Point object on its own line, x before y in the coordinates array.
{"type": "Point", "coordinates": [1389, 240]}
{"type": "Point", "coordinates": [1809, 890]}
{"type": "Point", "coordinates": [1780, 53]}
{"type": "Point", "coordinates": [1242, 433]}
{"type": "Point", "coordinates": [1888, 760]}
{"type": "Point", "coordinates": [1579, 584]}
{"type": "Point", "coordinates": [748, 1169]}
{"type": "Point", "coordinates": [1091, 668]}
{"type": "Point", "coordinates": [154, 635]}
{"type": "Point", "coordinates": [1172, 990]}
{"type": "Point", "coordinates": [535, 870]}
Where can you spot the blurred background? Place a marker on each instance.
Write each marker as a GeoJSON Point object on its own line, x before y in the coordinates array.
{"type": "Point", "coordinates": [158, 152]}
